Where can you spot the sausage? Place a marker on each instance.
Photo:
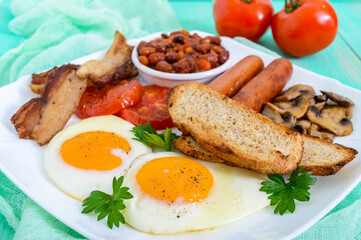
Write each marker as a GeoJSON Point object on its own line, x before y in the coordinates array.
{"type": "Point", "coordinates": [231, 81]}
{"type": "Point", "coordinates": [266, 85]}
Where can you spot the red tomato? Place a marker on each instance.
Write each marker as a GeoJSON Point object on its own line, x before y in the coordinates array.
{"type": "Point", "coordinates": [109, 100]}
{"type": "Point", "coordinates": [245, 18]}
{"type": "Point", "coordinates": [152, 107]}
{"type": "Point", "coordinates": [306, 30]}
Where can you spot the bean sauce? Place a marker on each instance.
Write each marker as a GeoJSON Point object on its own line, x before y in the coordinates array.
{"type": "Point", "coordinates": [182, 52]}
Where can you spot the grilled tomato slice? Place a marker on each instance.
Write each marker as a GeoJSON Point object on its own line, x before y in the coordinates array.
{"type": "Point", "coordinates": [152, 107]}
{"type": "Point", "coordinates": [109, 100]}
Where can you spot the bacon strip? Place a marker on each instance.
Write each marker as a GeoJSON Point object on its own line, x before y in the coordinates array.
{"type": "Point", "coordinates": [26, 117]}
{"type": "Point", "coordinates": [39, 80]}
{"type": "Point", "coordinates": [116, 64]}
{"type": "Point", "coordinates": [41, 118]}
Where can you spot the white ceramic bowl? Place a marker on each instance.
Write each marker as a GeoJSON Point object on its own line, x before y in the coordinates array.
{"type": "Point", "coordinates": [173, 79]}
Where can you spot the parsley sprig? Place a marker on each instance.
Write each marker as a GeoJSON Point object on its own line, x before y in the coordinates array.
{"type": "Point", "coordinates": [283, 194]}
{"type": "Point", "coordinates": [146, 134]}
{"type": "Point", "coordinates": [108, 205]}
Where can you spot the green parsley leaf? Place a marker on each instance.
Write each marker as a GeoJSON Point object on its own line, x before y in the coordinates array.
{"type": "Point", "coordinates": [283, 195]}
{"type": "Point", "coordinates": [108, 205]}
{"type": "Point", "coordinates": [147, 135]}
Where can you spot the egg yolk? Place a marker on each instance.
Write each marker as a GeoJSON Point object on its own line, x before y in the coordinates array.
{"type": "Point", "coordinates": [92, 150]}
{"type": "Point", "coordinates": [169, 178]}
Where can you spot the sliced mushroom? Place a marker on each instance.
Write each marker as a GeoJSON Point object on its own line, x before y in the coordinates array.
{"type": "Point", "coordinates": [327, 136]}
{"type": "Point", "coordinates": [331, 117]}
{"type": "Point", "coordinates": [341, 100]}
{"type": "Point", "coordinates": [295, 91]}
{"type": "Point", "coordinates": [348, 113]}
{"type": "Point", "coordinates": [289, 120]}
{"type": "Point", "coordinates": [271, 114]}
{"type": "Point", "coordinates": [320, 105]}
{"type": "Point", "coordinates": [303, 126]}
{"type": "Point", "coordinates": [286, 119]}
{"type": "Point", "coordinates": [320, 98]}
{"type": "Point", "coordinates": [298, 107]}
{"type": "Point", "coordinates": [316, 132]}
{"type": "Point", "coordinates": [312, 102]}
{"type": "Point", "coordinates": [275, 108]}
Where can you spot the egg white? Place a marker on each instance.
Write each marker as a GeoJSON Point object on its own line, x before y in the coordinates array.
{"type": "Point", "coordinates": [78, 183]}
{"type": "Point", "coordinates": [234, 195]}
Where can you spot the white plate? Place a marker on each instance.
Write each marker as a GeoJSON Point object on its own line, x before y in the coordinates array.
{"type": "Point", "coordinates": [22, 161]}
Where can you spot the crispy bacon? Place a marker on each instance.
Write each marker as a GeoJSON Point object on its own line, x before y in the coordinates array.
{"type": "Point", "coordinates": [125, 71]}
{"type": "Point", "coordinates": [41, 118]}
{"type": "Point", "coordinates": [26, 117]}
{"type": "Point", "coordinates": [61, 88]}
{"type": "Point", "coordinates": [115, 66]}
{"type": "Point", "coordinates": [39, 80]}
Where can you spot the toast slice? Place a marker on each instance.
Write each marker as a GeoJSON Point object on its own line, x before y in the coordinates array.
{"type": "Point", "coordinates": [190, 147]}
{"type": "Point", "coordinates": [320, 157]}
{"type": "Point", "coordinates": [323, 158]}
{"type": "Point", "coordinates": [233, 132]}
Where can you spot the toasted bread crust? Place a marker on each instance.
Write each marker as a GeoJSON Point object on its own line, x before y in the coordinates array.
{"type": "Point", "coordinates": [189, 146]}
{"type": "Point", "coordinates": [282, 165]}
{"type": "Point", "coordinates": [319, 170]}
{"type": "Point", "coordinates": [219, 138]}
{"type": "Point", "coordinates": [331, 167]}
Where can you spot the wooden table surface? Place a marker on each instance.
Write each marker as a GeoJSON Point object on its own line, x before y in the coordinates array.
{"type": "Point", "coordinates": [341, 60]}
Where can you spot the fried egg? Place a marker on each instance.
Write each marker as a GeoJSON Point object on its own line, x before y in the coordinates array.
{"type": "Point", "coordinates": [87, 155]}
{"type": "Point", "coordinates": [174, 193]}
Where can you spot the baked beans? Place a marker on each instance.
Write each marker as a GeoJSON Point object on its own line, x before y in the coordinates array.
{"type": "Point", "coordinates": [182, 52]}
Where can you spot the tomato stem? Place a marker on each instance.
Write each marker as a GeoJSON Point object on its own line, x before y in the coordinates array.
{"type": "Point", "coordinates": [291, 5]}
{"type": "Point", "coordinates": [246, 1]}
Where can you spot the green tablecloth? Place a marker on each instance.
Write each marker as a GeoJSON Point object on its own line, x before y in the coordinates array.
{"type": "Point", "coordinates": [45, 33]}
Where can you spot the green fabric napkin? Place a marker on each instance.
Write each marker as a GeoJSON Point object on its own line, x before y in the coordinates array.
{"type": "Point", "coordinates": [60, 31]}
